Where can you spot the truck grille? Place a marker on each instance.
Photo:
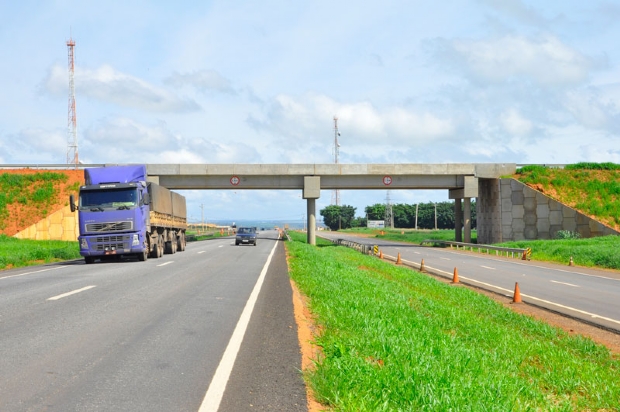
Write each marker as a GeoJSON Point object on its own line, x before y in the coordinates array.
{"type": "Point", "coordinates": [109, 226]}
{"type": "Point", "coordinates": [103, 243]}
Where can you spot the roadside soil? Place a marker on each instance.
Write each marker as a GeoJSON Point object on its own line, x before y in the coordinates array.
{"type": "Point", "coordinates": [22, 216]}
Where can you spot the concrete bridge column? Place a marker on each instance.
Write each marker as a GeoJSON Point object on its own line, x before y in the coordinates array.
{"type": "Point", "coordinates": [311, 207]}
{"type": "Point", "coordinates": [458, 233]}
{"type": "Point", "coordinates": [467, 219]}
{"type": "Point", "coordinates": [312, 191]}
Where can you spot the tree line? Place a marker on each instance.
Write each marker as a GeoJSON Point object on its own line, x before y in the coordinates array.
{"type": "Point", "coordinates": [404, 215]}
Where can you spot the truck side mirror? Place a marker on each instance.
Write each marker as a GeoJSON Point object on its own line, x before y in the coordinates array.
{"type": "Point", "coordinates": [72, 203]}
{"type": "Point", "coordinates": [145, 199]}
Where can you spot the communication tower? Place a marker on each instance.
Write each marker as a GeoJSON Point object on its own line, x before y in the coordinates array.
{"type": "Point", "coordinates": [72, 145]}
{"type": "Point", "coordinates": [336, 192]}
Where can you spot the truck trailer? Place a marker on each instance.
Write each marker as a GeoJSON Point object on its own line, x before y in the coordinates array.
{"type": "Point", "coordinates": [121, 214]}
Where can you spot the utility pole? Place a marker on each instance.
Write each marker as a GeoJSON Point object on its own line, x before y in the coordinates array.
{"type": "Point", "coordinates": [435, 216]}
{"type": "Point", "coordinates": [416, 216]}
{"type": "Point", "coordinates": [336, 192]}
{"type": "Point", "coordinates": [202, 217]}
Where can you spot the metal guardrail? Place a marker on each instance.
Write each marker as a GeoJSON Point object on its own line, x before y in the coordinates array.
{"type": "Point", "coordinates": [363, 248]}
{"type": "Point", "coordinates": [488, 248]}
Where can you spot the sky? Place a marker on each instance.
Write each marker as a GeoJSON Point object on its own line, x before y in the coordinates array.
{"type": "Point", "coordinates": [253, 82]}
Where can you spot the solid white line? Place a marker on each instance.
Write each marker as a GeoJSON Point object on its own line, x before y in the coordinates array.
{"type": "Point", "coordinates": [213, 397]}
{"type": "Point", "coordinates": [487, 267]}
{"type": "Point", "coordinates": [30, 273]}
{"type": "Point", "coordinates": [567, 284]}
{"type": "Point", "coordinates": [73, 292]}
{"type": "Point", "coordinates": [593, 315]}
{"type": "Point", "coordinates": [166, 263]}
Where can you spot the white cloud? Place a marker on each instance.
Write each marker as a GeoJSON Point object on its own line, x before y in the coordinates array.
{"type": "Point", "coordinates": [203, 80]}
{"type": "Point", "coordinates": [111, 86]}
{"type": "Point", "coordinates": [544, 60]}
{"type": "Point", "coordinates": [359, 122]}
{"type": "Point", "coordinates": [515, 124]}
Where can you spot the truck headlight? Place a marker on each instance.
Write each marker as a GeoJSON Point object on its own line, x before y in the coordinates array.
{"type": "Point", "coordinates": [136, 240]}
{"type": "Point", "coordinates": [83, 244]}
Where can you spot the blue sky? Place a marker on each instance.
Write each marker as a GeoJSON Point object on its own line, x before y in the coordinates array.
{"type": "Point", "coordinates": [260, 82]}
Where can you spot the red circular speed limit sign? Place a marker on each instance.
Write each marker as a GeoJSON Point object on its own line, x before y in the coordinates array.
{"type": "Point", "coordinates": [234, 180]}
{"type": "Point", "coordinates": [387, 180]}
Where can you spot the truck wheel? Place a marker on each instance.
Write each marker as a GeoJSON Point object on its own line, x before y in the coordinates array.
{"type": "Point", "coordinates": [154, 249]}
{"type": "Point", "coordinates": [89, 260]}
{"type": "Point", "coordinates": [143, 256]}
{"type": "Point", "coordinates": [160, 246]}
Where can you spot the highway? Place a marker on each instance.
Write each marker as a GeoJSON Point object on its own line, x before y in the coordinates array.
{"type": "Point", "coordinates": [582, 293]}
{"type": "Point", "coordinates": [138, 336]}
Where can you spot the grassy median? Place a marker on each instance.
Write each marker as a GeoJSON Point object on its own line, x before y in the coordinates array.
{"type": "Point", "coordinates": [396, 340]}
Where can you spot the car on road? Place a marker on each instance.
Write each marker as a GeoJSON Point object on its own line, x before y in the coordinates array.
{"type": "Point", "coordinates": [245, 236]}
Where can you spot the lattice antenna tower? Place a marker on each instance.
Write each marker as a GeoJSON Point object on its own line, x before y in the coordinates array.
{"type": "Point", "coordinates": [389, 216]}
{"type": "Point", "coordinates": [336, 192]}
{"type": "Point", "coordinates": [72, 145]}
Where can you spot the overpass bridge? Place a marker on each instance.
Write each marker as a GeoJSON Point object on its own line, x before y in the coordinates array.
{"type": "Point", "coordinates": [461, 180]}
{"type": "Point", "coordinates": [506, 209]}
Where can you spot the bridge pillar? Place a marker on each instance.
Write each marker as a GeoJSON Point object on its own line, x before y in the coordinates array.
{"type": "Point", "coordinates": [312, 191]}
{"type": "Point", "coordinates": [311, 207]}
{"type": "Point", "coordinates": [467, 219]}
{"type": "Point", "coordinates": [458, 233]}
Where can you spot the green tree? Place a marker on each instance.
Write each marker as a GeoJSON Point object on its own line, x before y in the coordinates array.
{"type": "Point", "coordinates": [336, 217]}
{"type": "Point", "coordinates": [375, 212]}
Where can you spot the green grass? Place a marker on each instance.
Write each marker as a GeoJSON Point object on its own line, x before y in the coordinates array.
{"type": "Point", "coordinates": [28, 189]}
{"type": "Point", "coordinates": [21, 252]}
{"type": "Point", "coordinates": [406, 235]}
{"type": "Point", "coordinates": [591, 188]}
{"type": "Point", "coordinates": [397, 340]}
{"type": "Point", "coordinates": [593, 252]}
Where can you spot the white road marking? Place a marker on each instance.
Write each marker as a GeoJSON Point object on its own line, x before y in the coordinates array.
{"type": "Point", "coordinates": [444, 258]}
{"type": "Point", "coordinates": [202, 251]}
{"type": "Point", "coordinates": [166, 263]}
{"type": "Point", "coordinates": [73, 292]}
{"type": "Point", "coordinates": [593, 315]}
{"type": "Point", "coordinates": [30, 273]}
{"type": "Point", "coordinates": [213, 397]}
{"type": "Point", "coordinates": [222, 245]}
{"type": "Point", "coordinates": [567, 284]}
{"type": "Point", "coordinates": [487, 267]}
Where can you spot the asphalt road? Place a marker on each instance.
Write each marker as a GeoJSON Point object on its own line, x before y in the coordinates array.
{"type": "Point", "coordinates": [149, 336]}
{"type": "Point", "coordinates": [587, 294]}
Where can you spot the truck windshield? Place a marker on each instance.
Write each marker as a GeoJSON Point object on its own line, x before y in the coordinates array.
{"type": "Point", "coordinates": [108, 199]}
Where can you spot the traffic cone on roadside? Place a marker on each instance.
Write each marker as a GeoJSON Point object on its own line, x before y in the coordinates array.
{"type": "Point", "coordinates": [517, 296]}
{"type": "Point", "coordinates": [455, 278]}
{"type": "Point", "coordinates": [570, 262]}
{"type": "Point", "coordinates": [380, 254]}
{"type": "Point", "coordinates": [398, 261]}
{"type": "Point", "coordinates": [422, 266]}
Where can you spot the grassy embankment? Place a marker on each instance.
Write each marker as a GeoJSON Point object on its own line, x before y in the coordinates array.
{"type": "Point", "coordinates": [399, 340]}
{"type": "Point", "coordinates": [34, 194]}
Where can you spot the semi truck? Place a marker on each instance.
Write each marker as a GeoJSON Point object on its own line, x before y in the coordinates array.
{"type": "Point", "coordinates": [120, 213]}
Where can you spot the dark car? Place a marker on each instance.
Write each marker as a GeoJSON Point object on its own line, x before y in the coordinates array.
{"type": "Point", "coordinates": [246, 236]}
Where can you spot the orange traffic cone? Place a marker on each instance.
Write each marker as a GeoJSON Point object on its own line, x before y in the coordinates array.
{"type": "Point", "coordinates": [455, 278]}
{"type": "Point", "coordinates": [517, 295]}
{"type": "Point", "coordinates": [422, 266]}
{"type": "Point", "coordinates": [380, 254]}
{"type": "Point", "coordinates": [398, 261]}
